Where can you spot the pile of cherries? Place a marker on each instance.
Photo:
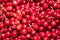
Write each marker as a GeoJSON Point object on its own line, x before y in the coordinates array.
{"type": "Point", "coordinates": [29, 19]}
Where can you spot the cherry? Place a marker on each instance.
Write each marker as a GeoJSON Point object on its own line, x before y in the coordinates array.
{"type": "Point", "coordinates": [50, 2]}
{"type": "Point", "coordinates": [58, 27]}
{"type": "Point", "coordinates": [3, 36]}
{"type": "Point", "coordinates": [35, 27]}
{"type": "Point", "coordinates": [14, 33]}
{"type": "Point", "coordinates": [29, 29]}
{"type": "Point", "coordinates": [45, 38]}
{"type": "Point", "coordinates": [1, 25]}
{"type": "Point", "coordinates": [15, 3]}
{"type": "Point", "coordinates": [23, 31]}
{"type": "Point", "coordinates": [53, 23]}
{"type": "Point", "coordinates": [25, 25]}
{"type": "Point", "coordinates": [55, 5]}
{"type": "Point", "coordinates": [19, 27]}
{"type": "Point", "coordinates": [48, 34]}
{"type": "Point", "coordinates": [45, 24]}
{"type": "Point", "coordinates": [36, 38]}
{"type": "Point", "coordinates": [28, 36]}
{"type": "Point", "coordinates": [24, 21]}
{"type": "Point", "coordinates": [42, 34]}
{"type": "Point", "coordinates": [7, 39]}
{"type": "Point", "coordinates": [45, 5]}
{"type": "Point", "coordinates": [41, 28]}
{"type": "Point", "coordinates": [8, 34]}
{"type": "Point", "coordinates": [41, 8]}
{"type": "Point", "coordinates": [1, 18]}
{"type": "Point", "coordinates": [33, 32]}
{"type": "Point", "coordinates": [54, 34]}
{"type": "Point", "coordinates": [7, 22]}
{"type": "Point", "coordinates": [52, 39]}
{"type": "Point", "coordinates": [9, 8]}
{"type": "Point", "coordinates": [29, 19]}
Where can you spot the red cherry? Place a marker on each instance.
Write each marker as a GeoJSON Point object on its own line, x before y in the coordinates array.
{"type": "Point", "coordinates": [25, 25]}
{"type": "Point", "coordinates": [24, 21]}
{"type": "Point", "coordinates": [36, 38]}
{"type": "Point", "coordinates": [28, 36]}
{"type": "Point", "coordinates": [8, 34]}
{"type": "Point", "coordinates": [3, 36]}
{"type": "Point", "coordinates": [55, 5]}
{"type": "Point", "coordinates": [54, 35]}
{"type": "Point", "coordinates": [7, 22]}
{"type": "Point", "coordinates": [35, 27]}
{"type": "Point", "coordinates": [45, 5]}
{"type": "Point", "coordinates": [1, 18]}
{"type": "Point", "coordinates": [9, 8]}
{"type": "Point", "coordinates": [52, 39]}
{"type": "Point", "coordinates": [45, 24]}
{"type": "Point", "coordinates": [33, 32]}
{"type": "Point", "coordinates": [14, 33]}
{"type": "Point", "coordinates": [41, 8]}
{"type": "Point", "coordinates": [58, 27]}
{"type": "Point", "coordinates": [7, 39]}
{"type": "Point", "coordinates": [15, 3]}
{"type": "Point", "coordinates": [50, 2]}
{"type": "Point", "coordinates": [41, 28]}
{"type": "Point", "coordinates": [53, 23]}
{"type": "Point", "coordinates": [45, 38]}
{"type": "Point", "coordinates": [1, 25]}
{"type": "Point", "coordinates": [19, 27]}
{"type": "Point", "coordinates": [42, 34]}
{"type": "Point", "coordinates": [23, 31]}
{"type": "Point", "coordinates": [29, 29]}
{"type": "Point", "coordinates": [48, 34]}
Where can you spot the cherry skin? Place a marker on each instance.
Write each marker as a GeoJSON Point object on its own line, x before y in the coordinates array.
{"type": "Point", "coordinates": [53, 23]}
{"type": "Point", "coordinates": [55, 5]}
{"type": "Point", "coordinates": [58, 27]}
{"type": "Point", "coordinates": [41, 28]}
{"type": "Point", "coordinates": [1, 25]}
{"type": "Point", "coordinates": [23, 31]}
{"type": "Point", "coordinates": [42, 34]}
{"type": "Point", "coordinates": [15, 3]}
{"type": "Point", "coordinates": [8, 34]}
{"type": "Point", "coordinates": [9, 8]}
{"type": "Point", "coordinates": [45, 24]}
{"type": "Point", "coordinates": [1, 18]}
{"type": "Point", "coordinates": [14, 33]}
{"type": "Point", "coordinates": [41, 8]}
{"type": "Point", "coordinates": [45, 38]}
{"type": "Point", "coordinates": [59, 32]}
{"type": "Point", "coordinates": [36, 38]}
{"type": "Point", "coordinates": [28, 36]}
{"type": "Point", "coordinates": [35, 27]}
{"type": "Point", "coordinates": [24, 21]}
{"type": "Point", "coordinates": [51, 38]}
{"type": "Point", "coordinates": [25, 25]}
{"type": "Point", "coordinates": [48, 34]}
{"type": "Point", "coordinates": [29, 29]}
{"type": "Point", "coordinates": [49, 27]}
{"type": "Point", "coordinates": [7, 22]}
{"type": "Point", "coordinates": [45, 5]}
{"type": "Point", "coordinates": [50, 2]}
{"type": "Point", "coordinates": [19, 27]}
{"type": "Point", "coordinates": [9, 29]}
{"type": "Point", "coordinates": [3, 36]}
{"type": "Point", "coordinates": [33, 32]}
{"type": "Point", "coordinates": [54, 35]}
{"type": "Point", "coordinates": [7, 39]}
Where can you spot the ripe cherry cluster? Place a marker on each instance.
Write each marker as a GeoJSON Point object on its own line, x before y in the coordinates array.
{"type": "Point", "coordinates": [29, 19]}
